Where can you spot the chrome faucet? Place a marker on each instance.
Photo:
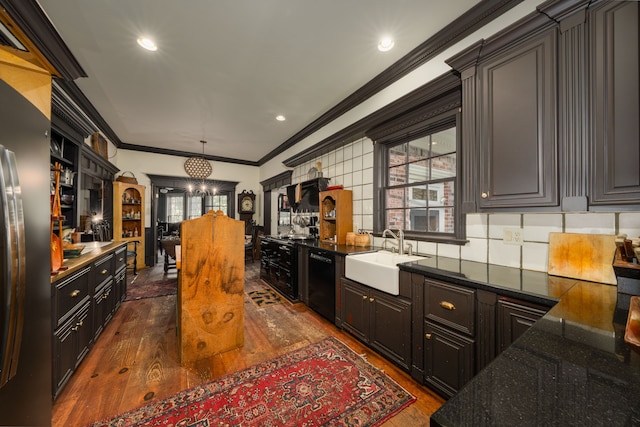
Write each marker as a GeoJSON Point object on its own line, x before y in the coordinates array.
{"type": "Point", "coordinates": [399, 238]}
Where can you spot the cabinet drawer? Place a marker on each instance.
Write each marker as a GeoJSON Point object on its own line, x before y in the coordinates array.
{"type": "Point", "coordinates": [69, 293]}
{"type": "Point", "coordinates": [120, 258]}
{"type": "Point", "coordinates": [451, 305]}
{"type": "Point", "coordinates": [103, 268]}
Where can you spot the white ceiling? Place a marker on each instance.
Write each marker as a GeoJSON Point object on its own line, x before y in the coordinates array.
{"type": "Point", "coordinates": [225, 68]}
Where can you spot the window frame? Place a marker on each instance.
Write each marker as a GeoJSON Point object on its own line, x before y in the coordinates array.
{"type": "Point", "coordinates": [433, 124]}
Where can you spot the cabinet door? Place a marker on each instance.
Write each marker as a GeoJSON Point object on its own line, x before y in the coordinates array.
{"type": "Point", "coordinates": [616, 103]}
{"type": "Point", "coordinates": [64, 355]}
{"type": "Point", "coordinates": [513, 320]}
{"type": "Point", "coordinates": [84, 332]}
{"type": "Point", "coordinates": [448, 359]}
{"type": "Point", "coordinates": [390, 328]}
{"type": "Point", "coordinates": [518, 158]}
{"type": "Point", "coordinates": [355, 309]}
{"type": "Point", "coordinates": [71, 343]}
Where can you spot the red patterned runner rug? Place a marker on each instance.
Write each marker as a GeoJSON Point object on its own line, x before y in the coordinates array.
{"type": "Point", "coordinates": [323, 384]}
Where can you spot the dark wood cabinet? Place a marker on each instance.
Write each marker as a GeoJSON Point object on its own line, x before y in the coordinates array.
{"type": "Point", "coordinates": [448, 359]}
{"type": "Point", "coordinates": [517, 120]}
{"type": "Point", "coordinates": [83, 302]}
{"type": "Point", "coordinates": [550, 111]}
{"type": "Point", "coordinates": [514, 319]}
{"type": "Point", "coordinates": [449, 336]}
{"type": "Point", "coordinates": [381, 320]}
{"type": "Point", "coordinates": [71, 343]}
{"type": "Point", "coordinates": [615, 87]}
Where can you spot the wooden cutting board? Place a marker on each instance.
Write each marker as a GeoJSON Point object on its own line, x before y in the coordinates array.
{"type": "Point", "coordinates": [582, 256]}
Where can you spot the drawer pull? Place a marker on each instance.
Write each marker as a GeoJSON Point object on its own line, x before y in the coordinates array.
{"type": "Point", "coordinates": [104, 271]}
{"type": "Point", "coordinates": [371, 299]}
{"type": "Point", "coordinates": [447, 305]}
{"type": "Point", "coordinates": [120, 259]}
{"type": "Point", "coordinates": [78, 325]}
{"type": "Point", "coordinates": [75, 293]}
{"type": "Point", "coordinates": [427, 336]}
{"type": "Point", "coordinates": [364, 297]}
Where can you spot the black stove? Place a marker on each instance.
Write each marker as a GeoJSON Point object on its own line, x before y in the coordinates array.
{"type": "Point", "coordinates": [279, 265]}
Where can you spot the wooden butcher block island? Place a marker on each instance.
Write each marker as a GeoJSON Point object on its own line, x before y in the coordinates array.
{"type": "Point", "coordinates": [210, 287]}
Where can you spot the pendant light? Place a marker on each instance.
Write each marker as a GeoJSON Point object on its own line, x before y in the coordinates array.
{"type": "Point", "coordinates": [198, 166]}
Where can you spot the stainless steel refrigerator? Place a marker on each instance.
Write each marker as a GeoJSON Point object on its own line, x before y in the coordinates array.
{"type": "Point", "coordinates": [25, 290]}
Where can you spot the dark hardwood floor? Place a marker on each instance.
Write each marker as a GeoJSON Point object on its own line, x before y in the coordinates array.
{"type": "Point", "coordinates": [135, 359]}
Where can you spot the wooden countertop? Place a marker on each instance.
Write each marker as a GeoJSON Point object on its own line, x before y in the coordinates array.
{"type": "Point", "coordinates": [93, 251]}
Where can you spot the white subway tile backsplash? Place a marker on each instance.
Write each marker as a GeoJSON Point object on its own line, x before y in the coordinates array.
{"type": "Point", "coordinates": [367, 222]}
{"type": "Point", "coordinates": [629, 224]}
{"type": "Point", "coordinates": [357, 191]}
{"type": "Point", "coordinates": [590, 223]}
{"type": "Point", "coordinates": [498, 222]}
{"type": "Point", "coordinates": [367, 160]}
{"type": "Point", "coordinates": [367, 176]}
{"type": "Point", "coordinates": [367, 146]}
{"type": "Point", "coordinates": [474, 250]}
{"type": "Point", "coordinates": [347, 166]}
{"type": "Point", "coordinates": [535, 256]}
{"type": "Point", "coordinates": [357, 177]}
{"type": "Point", "coordinates": [477, 225]}
{"type": "Point", "coordinates": [538, 226]}
{"type": "Point", "coordinates": [356, 163]}
{"type": "Point", "coordinates": [357, 148]}
{"type": "Point", "coordinates": [357, 207]}
{"type": "Point", "coordinates": [450, 251]}
{"type": "Point", "coordinates": [352, 167]}
{"type": "Point", "coordinates": [427, 248]}
{"type": "Point", "coordinates": [367, 206]}
{"type": "Point", "coordinates": [367, 191]}
{"type": "Point", "coordinates": [502, 254]}
{"type": "Point", "coordinates": [347, 152]}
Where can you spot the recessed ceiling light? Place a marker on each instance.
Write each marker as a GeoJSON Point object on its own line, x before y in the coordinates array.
{"type": "Point", "coordinates": [281, 118]}
{"type": "Point", "coordinates": [385, 44]}
{"type": "Point", "coordinates": [147, 43]}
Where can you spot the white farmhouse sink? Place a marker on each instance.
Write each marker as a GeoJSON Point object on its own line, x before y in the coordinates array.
{"type": "Point", "coordinates": [378, 270]}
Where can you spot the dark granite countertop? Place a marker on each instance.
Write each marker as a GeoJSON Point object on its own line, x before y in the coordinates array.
{"type": "Point", "coordinates": [317, 244]}
{"type": "Point", "coordinates": [526, 285]}
{"type": "Point", "coordinates": [571, 368]}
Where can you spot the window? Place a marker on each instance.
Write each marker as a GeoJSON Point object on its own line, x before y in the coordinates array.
{"type": "Point", "coordinates": [217, 202]}
{"type": "Point", "coordinates": [175, 207]}
{"type": "Point", "coordinates": [194, 207]}
{"type": "Point", "coordinates": [419, 182]}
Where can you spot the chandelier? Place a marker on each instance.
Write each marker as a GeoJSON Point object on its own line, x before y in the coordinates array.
{"type": "Point", "coordinates": [198, 166]}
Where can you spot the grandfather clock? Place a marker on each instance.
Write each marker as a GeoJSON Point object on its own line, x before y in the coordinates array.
{"type": "Point", "coordinates": [246, 208]}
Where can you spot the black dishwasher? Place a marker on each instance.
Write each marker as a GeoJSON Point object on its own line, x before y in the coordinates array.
{"type": "Point", "coordinates": [322, 283]}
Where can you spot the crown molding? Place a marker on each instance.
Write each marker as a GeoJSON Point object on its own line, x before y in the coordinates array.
{"type": "Point", "coordinates": [466, 24]}
{"type": "Point", "coordinates": [36, 26]}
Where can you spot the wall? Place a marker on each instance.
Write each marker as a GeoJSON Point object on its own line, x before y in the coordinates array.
{"type": "Point", "coordinates": [352, 166]}
{"type": "Point", "coordinates": [141, 164]}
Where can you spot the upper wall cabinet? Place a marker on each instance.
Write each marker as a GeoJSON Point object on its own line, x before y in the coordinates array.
{"type": "Point", "coordinates": [615, 101]}
{"type": "Point", "coordinates": [517, 123]}
{"type": "Point", "coordinates": [550, 111]}
{"type": "Point", "coordinates": [509, 135]}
